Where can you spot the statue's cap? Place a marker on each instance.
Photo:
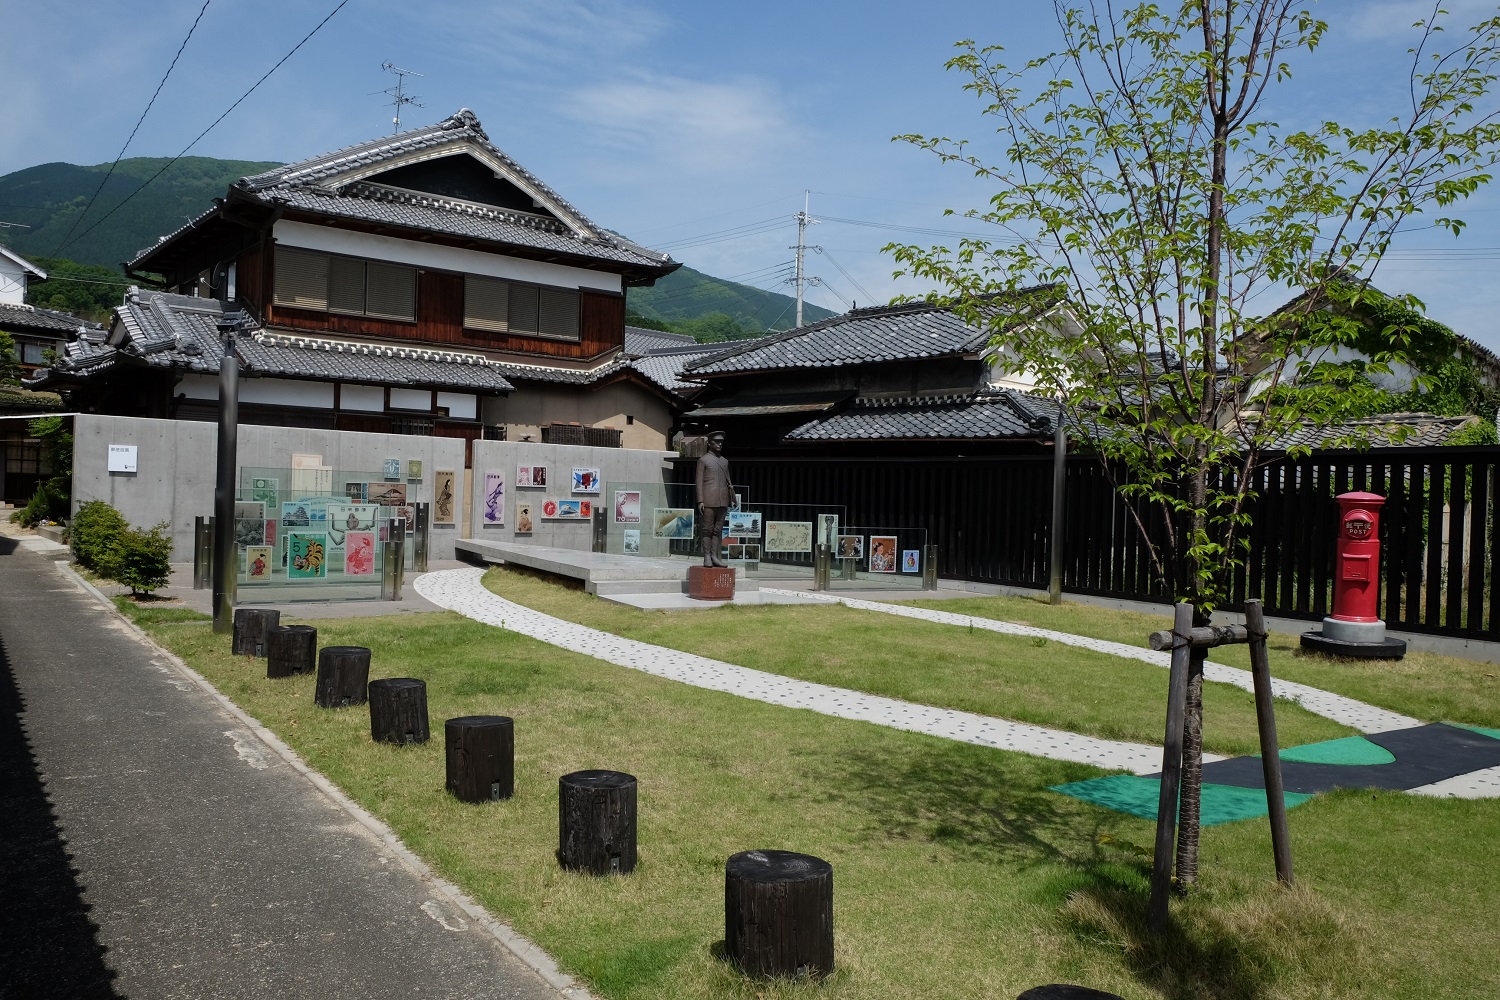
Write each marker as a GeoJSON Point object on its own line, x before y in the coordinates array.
{"type": "Point", "coordinates": [715, 434]}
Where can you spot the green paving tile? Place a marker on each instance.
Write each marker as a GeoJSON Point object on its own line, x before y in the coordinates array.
{"type": "Point", "coordinates": [1353, 751]}
{"type": "Point", "coordinates": [1495, 733]}
{"type": "Point", "coordinates": [1137, 796]}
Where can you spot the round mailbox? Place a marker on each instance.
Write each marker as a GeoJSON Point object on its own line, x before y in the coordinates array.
{"type": "Point", "coordinates": [1355, 628]}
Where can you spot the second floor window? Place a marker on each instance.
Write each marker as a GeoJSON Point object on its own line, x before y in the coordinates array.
{"type": "Point", "coordinates": [309, 279]}
{"type": "Point", "coordinates": [500, 306]}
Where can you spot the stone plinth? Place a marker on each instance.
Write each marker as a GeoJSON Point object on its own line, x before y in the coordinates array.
{"type": "Point", "coordinates": [710, 583]}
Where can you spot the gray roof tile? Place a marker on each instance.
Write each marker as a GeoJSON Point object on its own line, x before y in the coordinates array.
{"type": "Point", "coordinates": [1002, 414]}
{"type": "Point", "coordinates": [18, 317]}
{"type": "Point", "coordinates": [1384, 430]}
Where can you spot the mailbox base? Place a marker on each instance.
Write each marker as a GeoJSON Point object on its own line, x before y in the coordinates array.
{"type": "Point", "coordinates": [1385, 649]}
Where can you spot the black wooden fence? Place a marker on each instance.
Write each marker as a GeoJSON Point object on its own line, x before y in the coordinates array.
{"type": "Point", "coordinates": [989, 516]}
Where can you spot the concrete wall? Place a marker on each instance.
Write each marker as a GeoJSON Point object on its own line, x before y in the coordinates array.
{"type": "Point", "coordinates": [623, 465]}
{"type": "Point", "coordinates": [644, 419]}
{"type": "Point", "coordinates": [177, 462]}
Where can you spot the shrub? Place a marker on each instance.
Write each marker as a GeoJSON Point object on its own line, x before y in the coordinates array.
{"type": "Point", "coordinates": [143, 559]}
{"type": "Point", "coordinates": [44, 505]}
{"type": "Point", "coordinates": [96, 534]}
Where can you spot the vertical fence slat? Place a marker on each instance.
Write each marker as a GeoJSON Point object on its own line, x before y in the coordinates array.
{"type": "Point", "coordinates": [1479, 509]}
{"type": "Point", "coordinates": [1454, 551]}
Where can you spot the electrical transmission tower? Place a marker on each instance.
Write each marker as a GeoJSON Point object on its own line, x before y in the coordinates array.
{"type": "Point", "coordinates": [398, 95]}
{"type": "Point", "coordinates": [803, 221]}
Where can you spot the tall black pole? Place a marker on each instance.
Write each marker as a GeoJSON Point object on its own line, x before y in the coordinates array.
{"type": "Point", "coordinates": [1059, 483]}
{"type": "Point", "coordinates": [225, 562]}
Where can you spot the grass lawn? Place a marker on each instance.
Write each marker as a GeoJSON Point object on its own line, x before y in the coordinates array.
{"type": "Point", "coordinates": [957, 875]}
{"type": "Point", "coordinates": [1428, 686]}
{"type": "Point", "coordinates": [1012, 677]}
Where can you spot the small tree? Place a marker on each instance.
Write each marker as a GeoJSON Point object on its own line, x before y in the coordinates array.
{"type": "Point", "coordinates": [10, 365]}
{"type": "Point", "coordinates": [143, 559]}
{"type": "Point", "coordinates": [1137, 167]}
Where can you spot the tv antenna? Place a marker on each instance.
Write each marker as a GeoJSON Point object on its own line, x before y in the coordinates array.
{"type": "Point", "coordinates": [398, 95]}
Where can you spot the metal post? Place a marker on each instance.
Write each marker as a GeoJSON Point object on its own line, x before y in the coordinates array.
{"type": "Point", "coordinates": [1270, 749]}
{"type": "Point", "coordinates": [1171, 768]}
{"type": "Point", "coordinates": [398, 541]}
{"type": "Point", "coordinates": [822, 565]}
{"type": "Point", "coordinates": [393, 553]}
{"type": "Point", "coordinates": [419, 537]}
{"type": "Point", "coordinates": [203, 552]}
{"type": "Point", "coordinates": [601, 529]}
{"type": "Point", "coordinates": [1059, 485]}
{"type": "Point", "coordinates": [225, 562]}
{"type": "Point", "coordinates": [929, 567]}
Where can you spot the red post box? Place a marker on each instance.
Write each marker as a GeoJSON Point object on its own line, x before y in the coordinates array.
{"type": "Point", "coordinates": [1356, 582]}
{"type": "Point", "coordinates": [1355, 628]}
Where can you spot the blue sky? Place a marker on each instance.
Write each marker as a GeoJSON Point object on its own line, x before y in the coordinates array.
{"type": "Point", "coordinates": [690, 127]}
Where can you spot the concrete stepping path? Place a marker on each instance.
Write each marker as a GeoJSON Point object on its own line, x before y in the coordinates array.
{"type": "Point", "coordinates": [1345, 711]}
{"type": "Point", "coordinates": [461, 590]}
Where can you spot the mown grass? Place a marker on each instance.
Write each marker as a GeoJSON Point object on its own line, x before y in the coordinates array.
{"type": "Point", "coordinates": [957, 874]}
{"type": "Point", "coordinates": [1028, 680]}
{"type": "Point", "coordinates": [1428, 686]}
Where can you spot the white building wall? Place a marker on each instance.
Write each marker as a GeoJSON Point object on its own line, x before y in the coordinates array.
{"type": "Point", "coordinates": [12, 282]}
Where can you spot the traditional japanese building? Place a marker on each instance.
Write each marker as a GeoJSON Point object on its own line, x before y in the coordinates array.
{"type": "Point", "coordinates": [421, 283]}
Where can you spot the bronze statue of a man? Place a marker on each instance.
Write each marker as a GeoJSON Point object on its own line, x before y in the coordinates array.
{"type": "Point", "coordinates": [715, 496]}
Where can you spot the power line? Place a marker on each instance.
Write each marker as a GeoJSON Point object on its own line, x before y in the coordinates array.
{"type": "Point", "coordinates": [121, 154]}
{"type": "Point", "coordinates": [211, 126]}
{"type": "Point", "coordinates": [862, 289]}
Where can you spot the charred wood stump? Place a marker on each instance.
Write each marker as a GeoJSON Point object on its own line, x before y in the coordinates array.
{"type": "Point", "coordinates": [481, 757]}
{"type": "Point", "coordinates": [343, 673]}
{"type": "Point", "coordinates": [1058, 991]}
{"type": "Point", "coordinates": [398, 710]}
{"type": "Point", "coordinates": [251, 627]}
{"type": "Point", "coordinates": [596, 822]}
{"type": "Point", "coordinates": [778, 914]}
{"type": "Point", "coordinates": [291, 649]}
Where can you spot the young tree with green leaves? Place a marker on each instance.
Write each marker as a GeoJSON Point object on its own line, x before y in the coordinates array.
{"type": "Point", "coordinates": [1139, 167]}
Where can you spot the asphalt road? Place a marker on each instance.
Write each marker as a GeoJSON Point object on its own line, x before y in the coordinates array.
{"type": "Point", "coordinates": [151, 846]}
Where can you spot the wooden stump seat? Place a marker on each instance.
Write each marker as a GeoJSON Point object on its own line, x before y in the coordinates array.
{"type": "Point", "coordinates": [398, 710]}
{"type": "Point", "coordinates": [596, 822]}
{"type": "Point", "coordinates": [291, 649]}
{"type": "Point", "coordinates": [1059, 991]}
{"type": "Point", "coordinates": [251, 626]}
{"type": "Point", "coordinates": [481, 756]}
{"type": "Point", "coordinates": [778, 914]}
{"type": "Point", "coordinates": [343, 674]}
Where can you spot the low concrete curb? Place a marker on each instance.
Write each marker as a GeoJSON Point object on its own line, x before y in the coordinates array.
{"type": "Point", "coordinates": [527, 951]}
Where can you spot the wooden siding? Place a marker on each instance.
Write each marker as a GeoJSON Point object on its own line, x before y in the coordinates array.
{"type": "Point", "coordinates": [247, 279]}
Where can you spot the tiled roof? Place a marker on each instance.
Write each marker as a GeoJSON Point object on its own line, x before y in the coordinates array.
{"type": "Point", "coordinates": [905, 332]}
{"type": "Point", "coordinates": [641, 341]}
{"type": "Point", "coordinates": [665, 366]}
{"type": "Point", "coordinates": [179, 331]}
{"type": "Point", "coordinates": [339, 184]}
{"type": "Point", "coordinates": [1385, 430]}
{"type": "Point", "coordinates": [996, 415]}
{"type": "Point", "coordinates": [14, 317]}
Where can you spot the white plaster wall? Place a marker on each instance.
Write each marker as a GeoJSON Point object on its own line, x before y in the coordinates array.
{"type": "Point", "coordinates": [329, 240]}
{"type": "Point", "coordinates": [461, 405]}
{"type": "Point", "coordinates": [625, 465]}
{"type": "Point", "coordinates": [412, 399]}
{"type": "Point", "coordinates": [177, 463]}
{"type": "Point", "coordinates": [362, 397]}
{"type": "Point", "coordinates": [287, 392]}
{"type": "Point", "coordinates": [12, 282]}
{"type": "Point", "coordinates": [524, 412]}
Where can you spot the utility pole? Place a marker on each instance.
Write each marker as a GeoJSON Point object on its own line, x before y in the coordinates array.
{"type": "Point", "coordinates": [399, 97]}
{"type": "Point", "coordinates": [803, 221]}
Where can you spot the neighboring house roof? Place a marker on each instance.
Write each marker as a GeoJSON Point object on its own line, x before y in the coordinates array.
{"type": "Point", "coordinates": [665, 365]}
{"type": "Point", "coordinates": [344, 184]}
{"type": "Point", "coordinates": [906, 332]}
{"type": "Point", "coordinates": [639, 340]}
{"type": "Point", "coordinates": [22, 262]}
{"type": "Point", "coordinates": [162, 330]}
{"type": "Point", "coordinates": [985, 416]}
{"type": "Point", "coordinates": [1384, 430]}
{"type": "Point", "coordinates": [18, 317]}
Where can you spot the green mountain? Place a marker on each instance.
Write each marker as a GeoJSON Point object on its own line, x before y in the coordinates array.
{"type": "Point", "coordinates": [686, 299]}
{"type": "Point", "coordinates": [50, 197]}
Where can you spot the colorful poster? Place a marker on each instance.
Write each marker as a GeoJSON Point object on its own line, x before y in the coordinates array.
{"type": "Point", "coordinates": [627, 506]}
{"type": "Point", "coordinates": [494, 498]}
{"type": "Point", "coordinates": [523, 477]}
{"type": "Point", "coordinates": [359, 553]}
{"type": "Point", "coordinates": [746, 552]}
{"type": "Point", "coordinates": [344, 518]}
{"type": "Point", "coordinates": [569, 509]}
{"type": "Point", "coordinates": [672, 522]}
{"type": "Point", "coordinates": [414, 469]}
{"type": "Point", "coordinates": [296, 515]}
{"type": "Point", "coordinates": [523, 518]}
{"type": "Point", "coordinates": [257, 564]}
{"type": "Point", "coordinates": [270, 532]}
{"type": "Point", "coordinates": [789, 536]}
{"type": "Point", "coordinates": [850, 547]}
{"type": "Point", "coordinates": [409, 515]}
{"type": "Point", "coordinates": [307, 555]}
{"type": "Point", "coordinates": [744, 523]}
{"type": "Point", "coordinates": [249, 522]}
{"type": "Point", "coordinates": [632, 541]}
{"type": "Point", "coordinates": [827, 530]}
{"type": "Point", "coordinates": [355, 492]}
{"type": "Point", "coordinates": [443, 497]}
{"type": "Point", "coordinates": [549, 507]}
{"type": "Point", "coordinates": [386, 494]}
{"type": "Point", "coordinates": [586, 509]}
{"type": "Point", "coordinates": [531, 476]}
{"type": "Point", "coordinates": [882, 553]}
{"type": "Point", "coordinates": [392, 468]}
{"type": "Point", "coordinates": [587, 481]}
{"type": "Point", "coordinates": [911, 560]}
{"type": "Point", "coordinates": [266, 491]}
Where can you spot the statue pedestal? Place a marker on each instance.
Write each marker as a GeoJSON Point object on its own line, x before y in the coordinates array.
{"type": "Point", "coordinates": [710, 583]}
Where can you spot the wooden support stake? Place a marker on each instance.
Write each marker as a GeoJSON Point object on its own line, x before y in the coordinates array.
{"type": "Point", "coordinates": [1171, 770]}
{"type": "Point", "coordinates": [1270, 750]}
{"type": "Point", "coordinates": [1202, 637]}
